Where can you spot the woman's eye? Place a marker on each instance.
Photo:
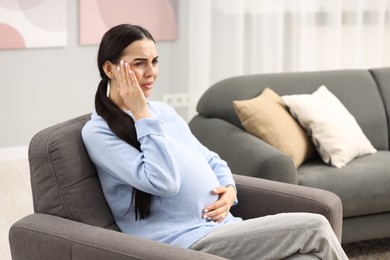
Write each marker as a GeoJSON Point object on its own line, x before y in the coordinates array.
{"type": "Point", "coordinates": [139, 64]}
{"type": "Point", "coordinates": [155, 61]}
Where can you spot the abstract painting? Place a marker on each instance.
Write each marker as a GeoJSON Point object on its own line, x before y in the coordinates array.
{"type": "Point", "coordinates": [157, 16]}
{"type": "Point", "coordinates": [33, 23]}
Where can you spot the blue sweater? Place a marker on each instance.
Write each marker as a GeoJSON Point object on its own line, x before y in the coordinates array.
{"type": "Point", "coordinates": [173, 166]}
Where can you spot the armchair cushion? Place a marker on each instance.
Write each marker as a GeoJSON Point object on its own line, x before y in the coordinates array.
{"type": "Point", "coordinates": [62, 173]}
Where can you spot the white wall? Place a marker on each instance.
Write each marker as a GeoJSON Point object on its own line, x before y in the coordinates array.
{"type": "Point", "coordinates": [42, 87]}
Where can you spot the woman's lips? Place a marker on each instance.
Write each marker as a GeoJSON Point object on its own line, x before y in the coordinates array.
{"type": "Point", "coordinates": [147, 85]}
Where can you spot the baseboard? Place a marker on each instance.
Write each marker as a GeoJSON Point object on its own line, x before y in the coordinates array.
{"type": "Point", "coordinates": [14, 153]}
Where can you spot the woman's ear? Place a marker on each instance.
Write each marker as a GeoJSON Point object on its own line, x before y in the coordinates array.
{"type": "Point", "coordinates": [108, 68]}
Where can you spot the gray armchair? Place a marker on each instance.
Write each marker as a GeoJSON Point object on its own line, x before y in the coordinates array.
{"type": "Point", "coordinates": [73, 221]}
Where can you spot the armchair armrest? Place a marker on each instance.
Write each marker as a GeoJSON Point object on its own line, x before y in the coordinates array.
{"type": "Point", "coordinates": [244, 152]}
{"type": "Point", "coordinates": [41, 236]}
{"type": "Point", "coordinates": [259, 197]}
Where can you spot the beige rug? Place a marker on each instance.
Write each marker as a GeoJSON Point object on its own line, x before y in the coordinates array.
{"type": "Point", "coordinates": [378, 249]}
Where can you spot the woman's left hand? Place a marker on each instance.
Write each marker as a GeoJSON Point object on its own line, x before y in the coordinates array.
{"type": "Point", "coordinates": [219, 210]}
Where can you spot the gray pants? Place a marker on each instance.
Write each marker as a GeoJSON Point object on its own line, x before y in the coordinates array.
{"type": "Point", "coordinates": [282, 236]}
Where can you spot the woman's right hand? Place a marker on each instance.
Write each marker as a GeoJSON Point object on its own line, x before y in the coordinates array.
{"type": "Point", "coordinates": [131, 92]}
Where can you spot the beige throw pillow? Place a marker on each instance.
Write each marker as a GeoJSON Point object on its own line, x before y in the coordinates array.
{"type": "Point", "coordinates": [334, 131]}
{"type": "Point", "coordinates": [266, 117]}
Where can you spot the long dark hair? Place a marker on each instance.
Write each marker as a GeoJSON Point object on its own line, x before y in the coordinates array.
{"type": "Point", "coordinates": [111, 49]}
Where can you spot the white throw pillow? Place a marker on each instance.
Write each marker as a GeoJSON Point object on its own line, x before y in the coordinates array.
{"type": "Point", "coordinates": [334, 131]}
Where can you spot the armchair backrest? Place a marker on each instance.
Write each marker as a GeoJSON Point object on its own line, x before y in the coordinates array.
{"type": "Point", "coordinates": [64, 181]}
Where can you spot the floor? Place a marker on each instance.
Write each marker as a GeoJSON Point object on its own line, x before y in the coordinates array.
{"type": "Point", "coordinates": [15, 198]}
{"type": "Point", "coordinates": [378, 249]}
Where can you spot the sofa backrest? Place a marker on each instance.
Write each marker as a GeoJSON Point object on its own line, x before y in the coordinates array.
{"type": "Point", "coordinates": [382, 78]}
{"type": "Point", "coordinates": [356, 89]}
{"type": "Point", "coordinates": [63, 179]}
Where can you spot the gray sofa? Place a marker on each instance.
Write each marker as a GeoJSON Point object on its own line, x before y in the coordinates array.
{"type": "Point", "coordinates": [72, 220]}
{"type": "Point", "coordinates": [363, 185]}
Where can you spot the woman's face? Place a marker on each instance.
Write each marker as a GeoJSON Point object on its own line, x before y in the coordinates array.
{"type": "Point", "coordinates": [142, 58]}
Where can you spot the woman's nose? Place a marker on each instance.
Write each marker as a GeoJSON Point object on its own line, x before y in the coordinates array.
{"type": "Point", "coordinates": [150, 70]}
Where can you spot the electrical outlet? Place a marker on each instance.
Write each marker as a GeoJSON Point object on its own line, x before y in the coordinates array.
{"type": "Point", "coordinates": [177, 100]}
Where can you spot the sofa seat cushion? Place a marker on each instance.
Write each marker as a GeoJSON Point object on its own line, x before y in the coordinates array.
{"type": "Point", "coordinates": [362, 185]}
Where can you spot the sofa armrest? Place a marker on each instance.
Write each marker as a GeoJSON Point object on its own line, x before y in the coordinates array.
{"type": "Point", "coordinates": [41, 236]}
{"type": "Point", "coordinates": [244, 153]}
{"type": "Point", "coordinates": [258, 197]}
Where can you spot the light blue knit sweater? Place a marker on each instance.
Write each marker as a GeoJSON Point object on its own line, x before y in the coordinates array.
{"type": "Point", "coordinates": [173, 166]}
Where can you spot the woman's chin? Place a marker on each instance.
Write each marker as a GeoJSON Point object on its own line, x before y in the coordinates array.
{"type": "Point", "coordinates": [147, 92]}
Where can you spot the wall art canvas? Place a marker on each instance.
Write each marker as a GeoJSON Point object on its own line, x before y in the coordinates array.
{"type": "Point", "coordinates": [33, 24]}
{"type": "Point", "coordinates": [157, 16]}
